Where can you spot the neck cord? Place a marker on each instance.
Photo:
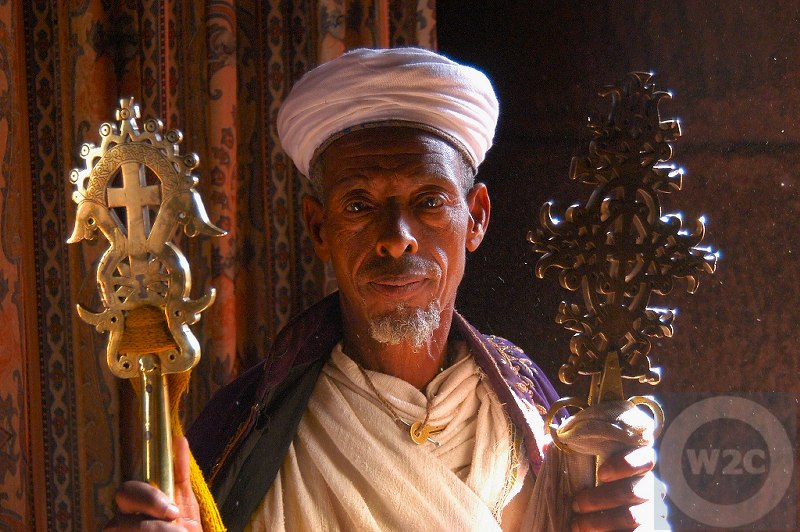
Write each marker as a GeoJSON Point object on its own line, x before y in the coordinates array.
{"type": "Point", "coordinates": [420, 432]}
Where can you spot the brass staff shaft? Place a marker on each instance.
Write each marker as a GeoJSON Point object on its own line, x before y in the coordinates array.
{"type": "Point", "coordinates": [156, 434]}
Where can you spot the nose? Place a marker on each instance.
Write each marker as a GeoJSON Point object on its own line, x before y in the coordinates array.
{"type": "Point", "coordinates": [396, 237]}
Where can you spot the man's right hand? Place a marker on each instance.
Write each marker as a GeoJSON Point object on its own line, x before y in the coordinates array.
{"type": "Point", "coordinates": [141, 506]}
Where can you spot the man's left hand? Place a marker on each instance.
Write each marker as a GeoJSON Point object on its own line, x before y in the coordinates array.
{"type": "Point", "coordinates": [629, 498]}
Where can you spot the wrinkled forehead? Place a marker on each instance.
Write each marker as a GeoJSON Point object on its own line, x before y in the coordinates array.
{"type": "Point", "coordinates": [389, 155]}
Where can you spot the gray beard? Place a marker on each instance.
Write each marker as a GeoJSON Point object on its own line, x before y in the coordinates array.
{"type": "Point", "coordinates": [406, 325]}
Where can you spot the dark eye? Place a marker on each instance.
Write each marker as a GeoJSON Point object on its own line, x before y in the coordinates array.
{"type": "Point", "coordinates": [432, 202]}
{"type": "Point", "coordinates": [356, 206]}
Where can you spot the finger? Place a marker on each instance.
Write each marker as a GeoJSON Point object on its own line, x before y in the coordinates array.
{"type": "Point", "coordinates": [183, 481]}
{"type": "Point", "coordinates": [135, 497]}
{"type": "Point", "coordinates": [659, 489]}
{"type": "Point", "coordinates": [125, 523]}
{"type": "Point", "coordinates": [184, 495]}
{"type": "Point", "coordinates": [639, 517]}
{"type": "Point", "coordinates": [625, 492]}
{"type": "Point", "coordinates": [628, 463]}
{"type": "Point", "coordinates": [660, 510]}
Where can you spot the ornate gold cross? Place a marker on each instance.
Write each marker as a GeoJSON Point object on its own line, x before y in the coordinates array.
{"type": "Point", "coordinates": [143, 278]}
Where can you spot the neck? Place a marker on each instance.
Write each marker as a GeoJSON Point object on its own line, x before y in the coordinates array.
{"type": "Point", "coordinates": [417, 366]}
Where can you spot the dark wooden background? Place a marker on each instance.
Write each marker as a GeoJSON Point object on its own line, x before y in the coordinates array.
{"type": "Point", "coordinates": [734, 70]}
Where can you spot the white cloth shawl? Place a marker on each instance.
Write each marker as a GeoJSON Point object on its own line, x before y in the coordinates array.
{"type": "Point", "coordinates": [351, 467]}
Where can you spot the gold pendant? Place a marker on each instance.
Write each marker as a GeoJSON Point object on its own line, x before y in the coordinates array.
{"type": "Point", "coordinates": [421, 433]}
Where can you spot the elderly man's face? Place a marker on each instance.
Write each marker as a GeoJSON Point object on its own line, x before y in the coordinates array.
{"type": "Point", "coordinates": [395, 225]}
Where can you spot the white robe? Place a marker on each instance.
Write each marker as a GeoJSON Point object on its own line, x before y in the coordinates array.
{"type": "Point", "coordinates": [352, 467]}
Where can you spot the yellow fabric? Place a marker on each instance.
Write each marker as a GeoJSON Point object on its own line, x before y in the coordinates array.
{"type": "Point", "coordinates": [209, 513]}
{"type": "Point", "coordinates": [146, 331]}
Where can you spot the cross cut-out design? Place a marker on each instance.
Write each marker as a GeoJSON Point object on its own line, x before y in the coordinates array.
{"type": "Point", "coordinates": [135, 196]}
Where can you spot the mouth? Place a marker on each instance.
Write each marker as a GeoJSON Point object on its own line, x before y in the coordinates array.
{"type": "Point", "coordinates": [398, 285]}
{"type": "Point", "coordinates": [408, 280]}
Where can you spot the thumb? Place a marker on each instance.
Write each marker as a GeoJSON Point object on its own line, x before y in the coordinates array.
{"type": "Point", "coordinates": [184, 495]}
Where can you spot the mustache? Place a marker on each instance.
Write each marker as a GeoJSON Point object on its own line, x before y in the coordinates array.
{"type": "Point", "coordinates": [379, 266]}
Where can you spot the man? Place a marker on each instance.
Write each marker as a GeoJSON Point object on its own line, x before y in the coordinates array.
{"type": "Point", "coordinates": [380, 407]}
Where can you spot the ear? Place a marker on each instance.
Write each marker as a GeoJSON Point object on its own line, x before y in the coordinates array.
{"type": "Point", "coordinates": [479, 207]}
{"type": "Point", "coordinates": [314, 216]}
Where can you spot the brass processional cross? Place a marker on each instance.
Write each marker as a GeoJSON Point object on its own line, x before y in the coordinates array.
{"type": "Point", "coordinates": [618, 249]}
{"type": "Point", "coordinates": [143, 278]}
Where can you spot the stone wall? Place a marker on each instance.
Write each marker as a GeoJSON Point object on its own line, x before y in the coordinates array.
{"type": "Point", "coordinates": [734, 69]}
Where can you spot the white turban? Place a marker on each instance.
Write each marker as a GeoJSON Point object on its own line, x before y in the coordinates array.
{"type": "Point", "coordinates": [409, 86]}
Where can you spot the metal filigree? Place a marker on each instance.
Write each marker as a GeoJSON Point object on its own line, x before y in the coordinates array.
{"type": "Point", "coordinates": [143, 278]}
{"type": "Point", "coordinates": [618, 249]}
{"type": "Point", "coordinates": [142, 266]}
